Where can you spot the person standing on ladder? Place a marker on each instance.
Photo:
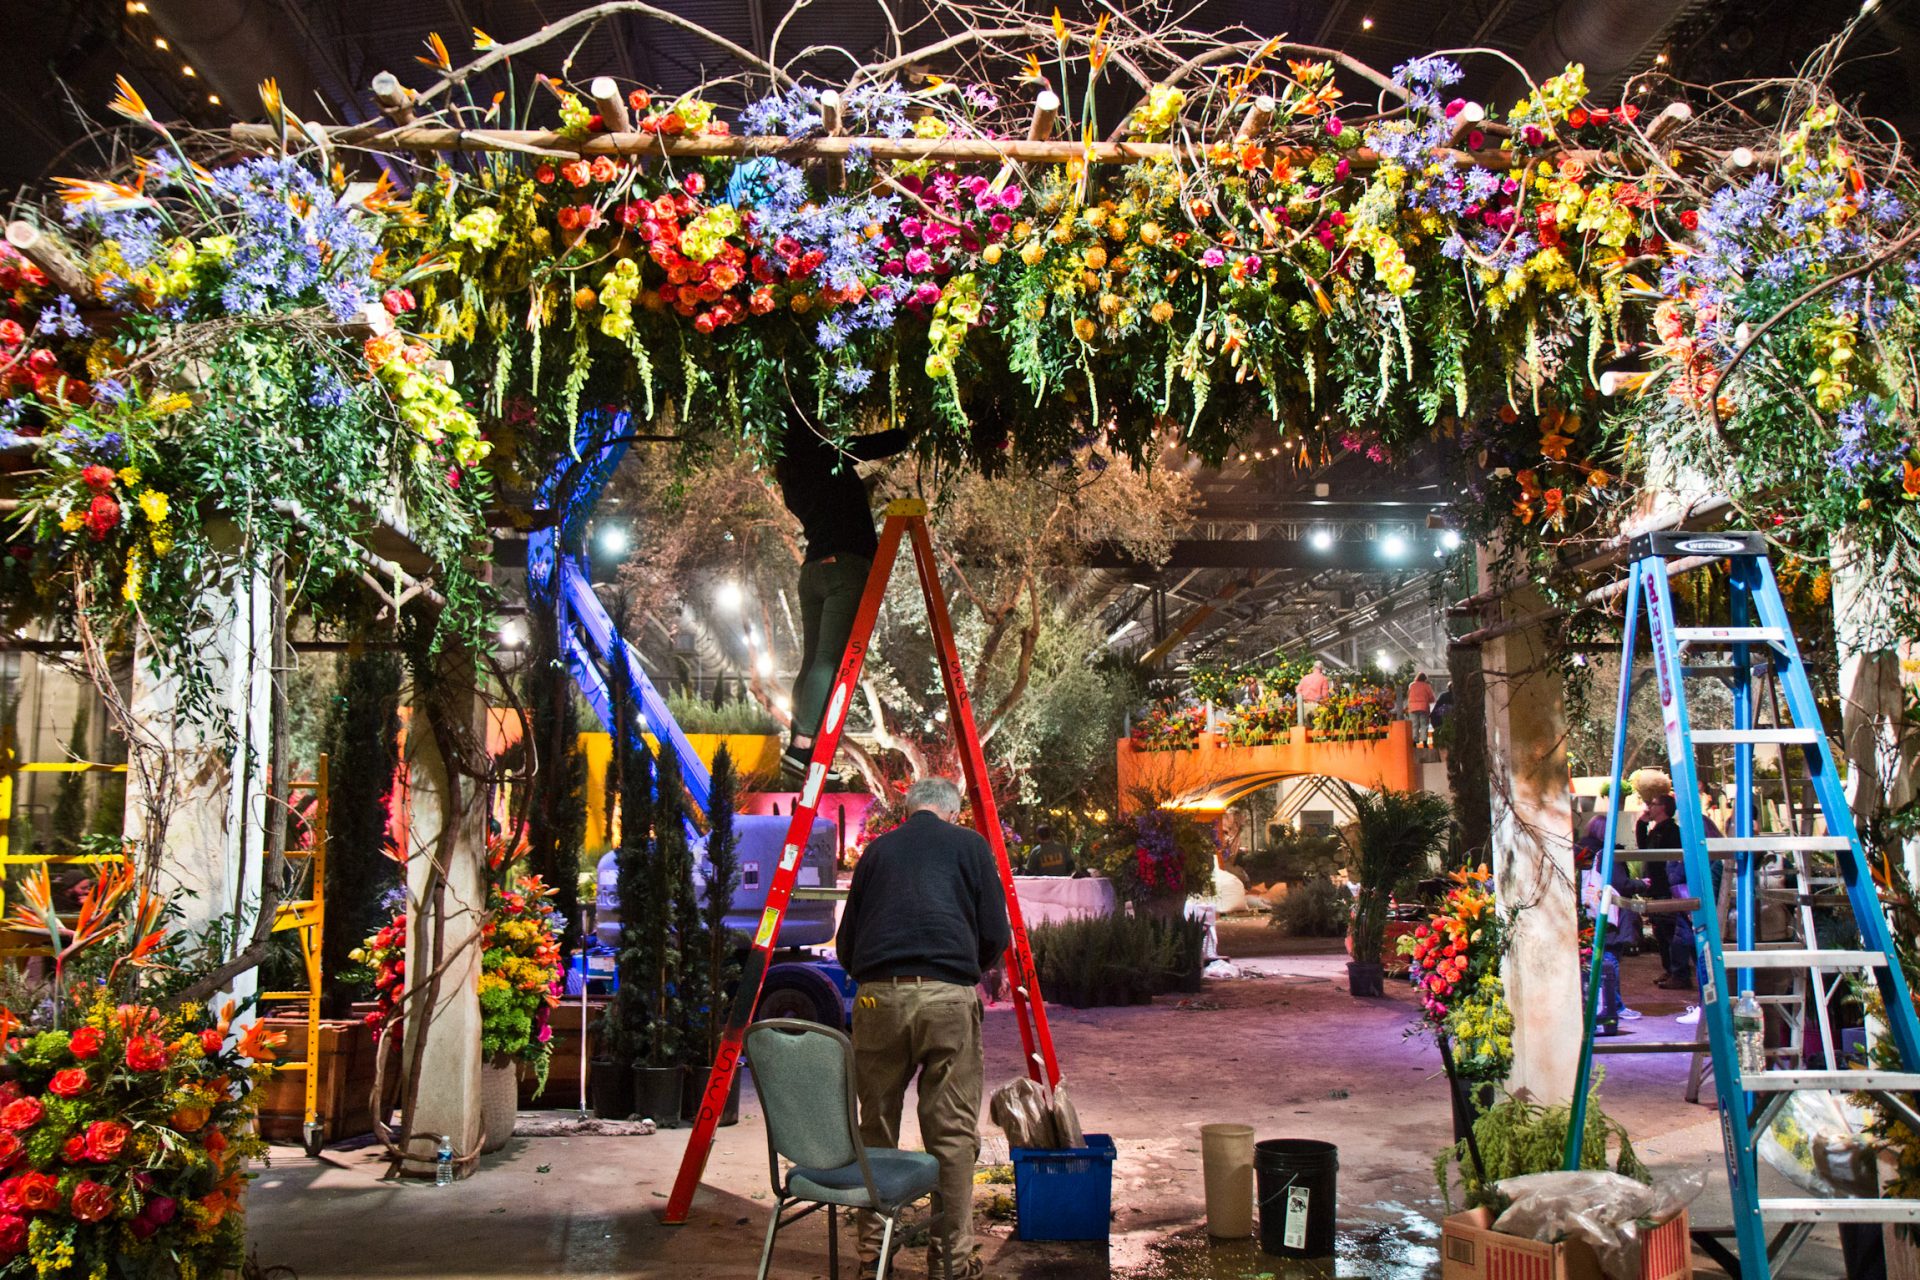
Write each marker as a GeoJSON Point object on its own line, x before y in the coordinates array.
{"type": "Point", "coordinates": [821, 486]}
{"type": "Point", "coordinates": [925, 917]}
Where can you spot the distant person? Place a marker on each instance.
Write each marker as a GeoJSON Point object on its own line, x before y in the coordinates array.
{"type": "Point", "coordinates": [1611, 1008]}
{"type": "Point", "coordinates": [1662, 833]}
{"type": "Point", "coordinates": [925, 918]}
{"type": "Point", "coordinates": [1420, 708]}
{"type": "Point", "coordinates": [821, 486]}
{"type": "Point", "coordinates": [1442, 708]}
{"type": "Point", "coordinates": [1313, 691]}
{"type": "Point", "coordinates": [1049, 857]}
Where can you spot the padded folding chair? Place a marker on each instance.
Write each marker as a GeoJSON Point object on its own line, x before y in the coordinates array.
{"type": "Point", "coordinates": [803, 1074]}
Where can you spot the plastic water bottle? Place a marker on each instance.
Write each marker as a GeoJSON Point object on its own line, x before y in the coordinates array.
{"type": "Point", "coordinates": [443, 1164]}
{"type": "Point", "coordinates": [1749, 1035]}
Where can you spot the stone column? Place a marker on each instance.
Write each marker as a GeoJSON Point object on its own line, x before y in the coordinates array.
{"type": "Point", "coordinates": [446, 906]}
{"type": "Point", "coordinates": [197, 784]}
{"type": "Point", "coordinates": [1533, 866]}
{"type": "Point", "coordinates": [1881, 750]}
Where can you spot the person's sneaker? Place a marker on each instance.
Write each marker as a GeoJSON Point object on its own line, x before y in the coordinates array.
{"type": "Point", "coordinates": [1690, 1017]}
{"type": "Point", "coordinates": [794, 765]}
{"type": "Point", "coordinates": [1629, 1015]}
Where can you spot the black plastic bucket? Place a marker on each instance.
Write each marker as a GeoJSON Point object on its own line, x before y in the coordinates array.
{"type": "Point", "coordinates": [1295, 1182]}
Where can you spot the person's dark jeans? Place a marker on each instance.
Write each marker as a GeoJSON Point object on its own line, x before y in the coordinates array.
{"type": "Point", "coordinates": [1610, 1003]}
{"type": "Point", "coordinates": [829, 597]}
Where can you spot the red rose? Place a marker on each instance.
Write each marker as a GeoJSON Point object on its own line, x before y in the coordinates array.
{"type": "Point", "coordinates": [11, 1149]}
{"type": "Point", "coordinates": [106, 1139]}
{"type": "Point", "coordinates": [92, 1201]}
{"type": "Point", "coordinates": [13, 1235]}
{"type": "Point", "coordinates": [38, 1192]}
{"type": "Point", "coordinates": [1577, 117]}
{"type": "Point", "coordinates": [97, 477]}
{"type": "Point", "coordinates": [69, 1082]}
{"type": "Point", "coordinates": [103, 516]}
{"type": "Point", "coordinates": [85, 1042]}
{"type": "Point", "coordinates": [211, 1041]}
{"type": "Point", "coordinates": [74, 1149]}
{"type": "Point", "coordinates": [640, 100]}
{"type": "Point", "coordinates": [145, 1053]}
{"type": "Point", "coordinates": [1689, 218]}
{"type": "Point", "coordinates": [11, 334]}
{"type": "Point", "coordinates": [21, 1113]}
{"type": "Point", "coordinates": [397, 301]}
{"type": "Point", "coordinates": [544, 175]}
{"type": "Point", "coordinates": [694, 184]}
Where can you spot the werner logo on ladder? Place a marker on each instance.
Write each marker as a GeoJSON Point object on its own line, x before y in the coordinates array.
{"type": "Point", "coordinates": [905, 519]}
{"type": "Point", "coordinates": [1752, 1093]}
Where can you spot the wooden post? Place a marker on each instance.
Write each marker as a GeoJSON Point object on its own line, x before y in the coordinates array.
{"type": "Point", "coordinates": [41, 250]}
{"type": "Point", "coordinates": [612, 104]}
{"type": "Point", "coordinates": [1259, 118]}
{"type": "Point", "coordinates": [1046, 109]}
{"type": "Point", "coordinates": [1675, 115]}
{"type": "Point", "coordinates": [833, 124]}
{"type": "Point", "coordinates": [395, 99]}
{"type": "Point", "coordinates": [1471, 117]}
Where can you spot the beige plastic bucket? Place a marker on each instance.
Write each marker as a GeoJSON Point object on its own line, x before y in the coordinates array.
{"type": "Point", "coordinates": [1226, 1157]}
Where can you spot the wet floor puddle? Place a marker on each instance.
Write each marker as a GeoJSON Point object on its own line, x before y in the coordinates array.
{"type": "Point", "coordinates": [1398, 1245]}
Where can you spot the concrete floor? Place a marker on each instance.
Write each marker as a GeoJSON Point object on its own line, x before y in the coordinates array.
{"type": "Point", "coordinates": [1287, 1051]}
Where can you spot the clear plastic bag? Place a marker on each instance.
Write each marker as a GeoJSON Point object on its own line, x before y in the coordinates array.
{"type": "Point", "coordinates": [1607, 1210]}
{"type": "Point", "coordinates": [1066, 1120]}
{"type": "Point", "coordinates": [1816, 1141]}
{"type": "Point", "coordinates": [1024, 1113]}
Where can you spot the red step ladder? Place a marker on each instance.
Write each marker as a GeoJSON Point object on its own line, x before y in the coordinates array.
{"type": "Point", "coordinates": [906, 518]}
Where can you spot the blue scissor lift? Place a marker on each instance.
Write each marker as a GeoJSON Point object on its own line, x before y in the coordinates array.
{"type": "Point", "coordinates": [803, 984]}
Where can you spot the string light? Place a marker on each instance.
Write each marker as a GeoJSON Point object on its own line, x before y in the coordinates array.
{"type": "Point", "coordinates": [1366, 24]}
{"type": "Point", "coordinates": [213, 99]}
{"type": "Point", "coordinates": [137, 6]}
{"type": "Point", "coordinates": [188, 72]}
{"type": "Point", "coordinates": [160, 42]}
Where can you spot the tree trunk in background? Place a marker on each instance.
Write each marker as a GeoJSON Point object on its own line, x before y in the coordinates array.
{"type": "Point", "coordinates": [363, 749]}
{"type": "Point", "coordinates": [1881, 746]}
{"type": "Point", "coordinates": [1467, 752]}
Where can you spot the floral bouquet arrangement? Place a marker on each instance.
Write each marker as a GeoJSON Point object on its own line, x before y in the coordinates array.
{"type": "Point", "coordinates": [1457, 957]}
{"type": "Point", "coordinates": [1167, 727]}
{"type": "Point", "coordinates": [519, 975]}
{"type": "Point", "coordinates": [1156, 853]}
{"type": "Point", "coordinates": [125, 1125]}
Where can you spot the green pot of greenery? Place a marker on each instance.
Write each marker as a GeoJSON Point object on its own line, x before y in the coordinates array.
{"type": "Point", "coordinates": [1393, 839]}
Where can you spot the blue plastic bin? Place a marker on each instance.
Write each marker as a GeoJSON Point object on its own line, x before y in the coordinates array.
{"type": "Point", "coordinates": [1065, 1194]}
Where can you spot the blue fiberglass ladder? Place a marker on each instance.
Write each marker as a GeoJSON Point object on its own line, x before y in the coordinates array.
{"type": "Point", "coordinates": [1758, 626]}
{"type": "Point", "coordinates": [557, 578]}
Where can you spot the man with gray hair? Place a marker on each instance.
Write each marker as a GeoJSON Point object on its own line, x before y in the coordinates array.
{"type": "Point", "coordinates": [926, 916]}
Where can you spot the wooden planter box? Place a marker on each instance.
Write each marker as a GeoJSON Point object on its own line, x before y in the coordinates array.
{"type": "Point", "coordinates": [345, 1066]}
{"type": "Point", "coordinates": [563, 1073]}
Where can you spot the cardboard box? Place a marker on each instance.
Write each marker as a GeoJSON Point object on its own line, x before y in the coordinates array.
{"type": "Point", "coordinates": [1470, 1249]}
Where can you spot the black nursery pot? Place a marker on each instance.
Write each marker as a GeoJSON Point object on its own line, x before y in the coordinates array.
{"type": "Point", "coordinates": [656, 1094]}
{"type": "Point", "coordinates": [610, 1089]}
{"type": "Point", "coordinates": [1366, 978]}
{"type": "Point", "coordinates": [693, 1092]}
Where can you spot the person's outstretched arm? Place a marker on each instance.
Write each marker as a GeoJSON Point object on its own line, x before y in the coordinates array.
{"type": "Point", "coordinates": [880, 444]}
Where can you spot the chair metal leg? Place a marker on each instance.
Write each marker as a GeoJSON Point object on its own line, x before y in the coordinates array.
{"type": "Point", "coordinates": [833, 1245]}
{"type": "Point", "coordinates": [886, 1250]}
{"type": "Point", "coordinates": [773, 1229]}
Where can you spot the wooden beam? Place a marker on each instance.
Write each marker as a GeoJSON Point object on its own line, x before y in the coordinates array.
{"type": "Point", "coordinates": [395, 99]}
{"type": "Point", "coordinates": [68, 276]}
{"type": "Point", "coordinates": [1259, 118]}
{"type": "Point", "coordinates": [612, 104]}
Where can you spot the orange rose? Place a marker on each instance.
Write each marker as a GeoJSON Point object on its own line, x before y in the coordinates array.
{"type": "Point", "coordinates": [190, 1119]}
{"type": "Point", "coordinates": [38, 1192]}
{"type": "Point", "coordinates": [69, 1082]}
{"type": "Point", "coordinates": [106, 1139]}
{"type": "Point", "coordinates": [92, 1202]}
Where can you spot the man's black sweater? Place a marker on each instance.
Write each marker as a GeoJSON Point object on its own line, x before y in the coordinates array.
{"type": "Point", "coordinates": [926, 902]}
{"type": "Point", "coordinates": [821, 486]}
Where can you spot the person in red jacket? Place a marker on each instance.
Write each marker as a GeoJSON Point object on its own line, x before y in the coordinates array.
{"type": "Point", "coordinates": [1420, 708]}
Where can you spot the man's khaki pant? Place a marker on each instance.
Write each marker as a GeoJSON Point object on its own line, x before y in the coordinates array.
{"type": "Point", "coordinates": [932, 1028]}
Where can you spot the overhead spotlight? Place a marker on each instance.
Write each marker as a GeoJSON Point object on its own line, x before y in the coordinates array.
{"type": "Point", "coordinates": [1383, 660]}
{"type": "Point", "coordinates": [613, 539]}
{"type": "Point", "coordinates": [728, 597]}
{"type": "Point", "coordinates": [1366, 24]}
{"type": "Point", "coordinates": [1450, 539]}
{"type": "Point", "coordinates": [136, 6]}
{"type": "Point", "coordinates": [1321, 539]}
{"type": "Point", "coordinates": [513, 633]}
{"type": "Point", "coordinates": [1660, 59]}
{"type": "Point", "coordinates": [160, 42]}
{"type": "Point", "coordinates": [213, 99]}
{"type": "Point", "coordinates": [1393, 546]}
{"type": "Point", "coordinates": [188, 72]}
{"type": "Point", "coordinates": [763, 665]}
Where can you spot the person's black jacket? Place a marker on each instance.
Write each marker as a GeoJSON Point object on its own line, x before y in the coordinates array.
{"type": "Point", "coordinates": [822, 487]}
{"type": "Point", "coordinates": [1664, 834]}
{"type": "Point", "coordinates": [926, 902]}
